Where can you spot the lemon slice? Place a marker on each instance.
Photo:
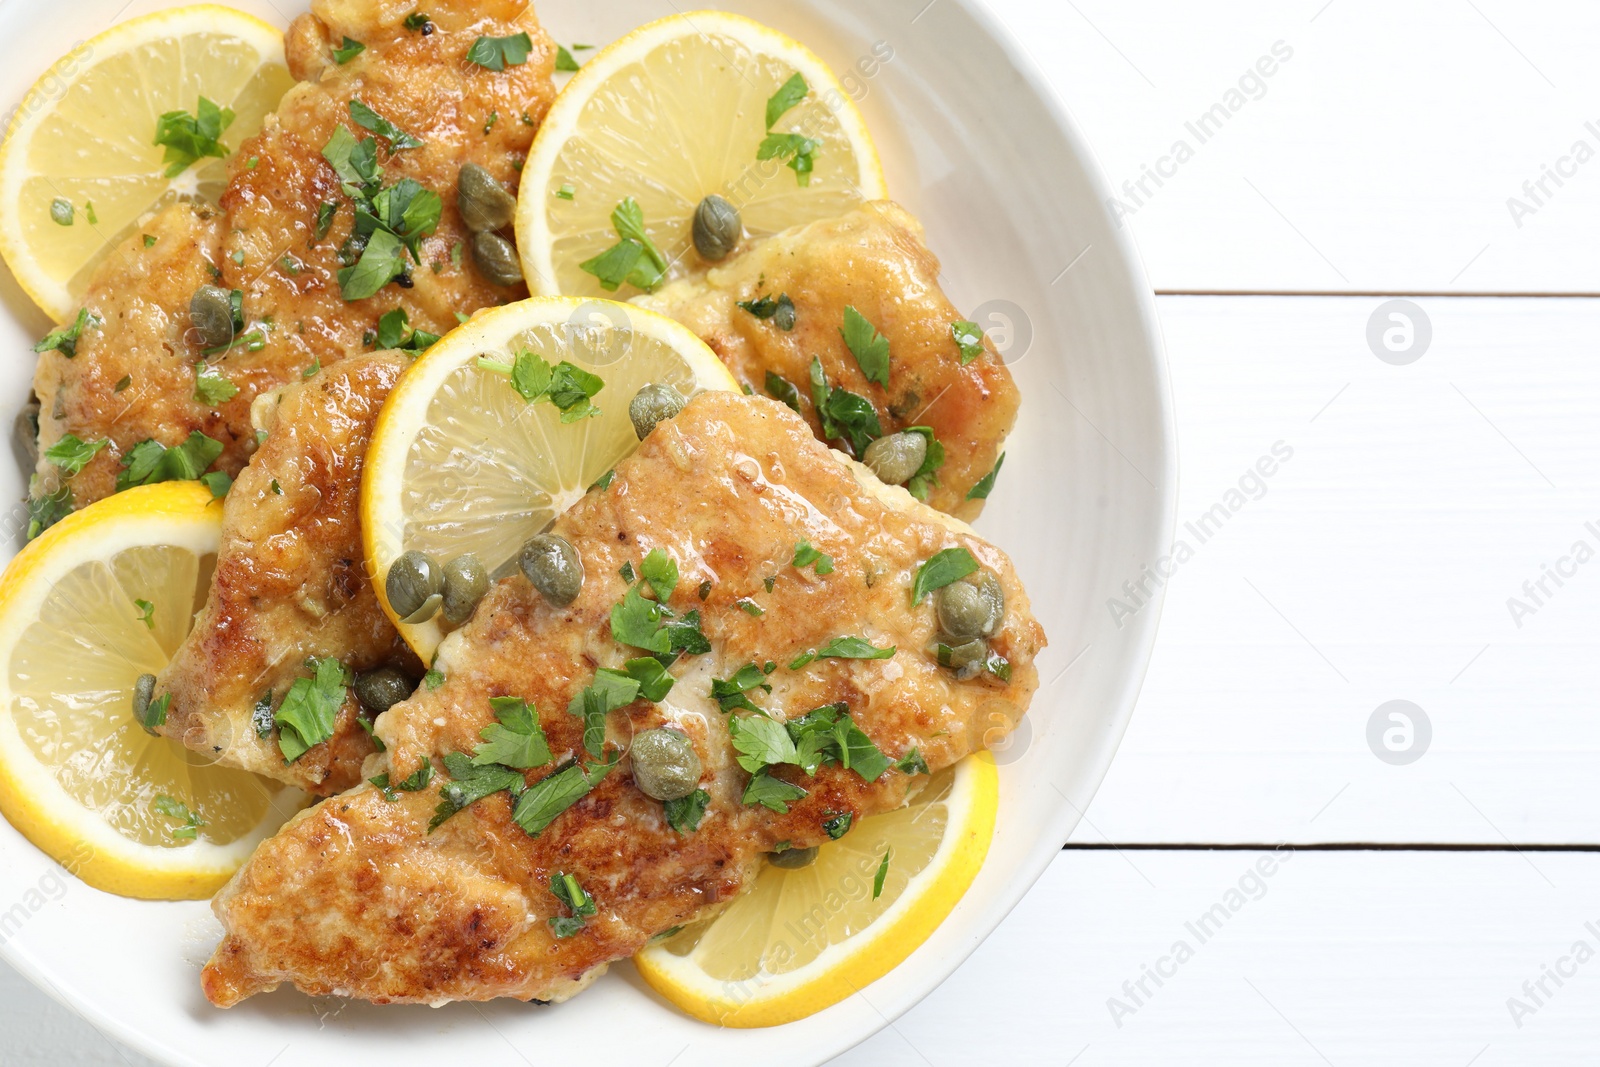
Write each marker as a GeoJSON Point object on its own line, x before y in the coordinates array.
{"type": "Point", "coordinates": [79, 777]}
{"type": "Point", "coordinates": [84, 135]}
{"type": "Point", "coordinates": [669, 114]}
{"type": "Point", "coordinates": [461, 462]}
{"type": "Point", "coordinates": [802, 940]}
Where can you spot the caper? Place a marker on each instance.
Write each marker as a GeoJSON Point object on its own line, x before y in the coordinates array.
{"type": "Point", "coordinates": [413, 584]}
{"type": "Point", "coordinates": [792, 859]}
{"type": "Point", "coordinates": [483, 202]}
{"type": "Point", "coordinates": [897, 457]}
{"type": "Point", "coordinates": [652, 404]}
{"type": "Point", "coordinates": [554, 567]}
{"type": "Point", "coordinates": [965, 657]}
{"type": "Point", "coordinates": [211, 314]}
{"type": "Point", "coordinates": [994, 597]}
{"type": "Point", "coordinates": [381, 689]}
{"type": "Point", "coordinates": [497, 259]}
{"type": "Point", "coordinates": [971, 607]}
{"type": "Point", "coordinates": [143, 689]}
{"type": "Point", "coordinates": [717, 228]}
{"type": "Point", "coordinates": [25, 431]}
{"type": "Point", "coordinates": [465, 581]}
{"type": "Point", "coordinates": [665, 764]}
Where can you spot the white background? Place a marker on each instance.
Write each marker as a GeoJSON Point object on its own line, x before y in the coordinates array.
{"type": "Point", "coordinates": [1375, 564]}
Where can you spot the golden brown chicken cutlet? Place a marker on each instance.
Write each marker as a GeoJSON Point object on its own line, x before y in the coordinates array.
{"type": "Point", "coordinates": [290, 589]}
{"type": "Point", "coordinates": [282, 235]}
{"type": "Point", "coordinates": [874, 261]}
{"type": "Point", "coordinates": [438, 888]}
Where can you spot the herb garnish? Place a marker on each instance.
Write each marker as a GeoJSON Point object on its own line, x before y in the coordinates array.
{"type": "Point", "coordinates": [780, 309]}
{"type": "Point", "coordinates": [417, 20]}
{"type": "Point", "coordinates": [188, 138]}
{"type": "Point", "coordinates": [783, 389]}
{"type": "Point", "coordinates": [347, 51]}
{"type": "Point", "coordinates": [661, 572]}
{"type": "Point", "coordinates": [685, 813]}
{"type": "Point", "coordinates": [545, 800]}
{"type": "Point", "coordinates": [564, 60]}
{"type": "Point", "coordinates": [789, 94]}
{"type": "Point", "coordinates": [912, 763]}
{"type": "Point", "coordinates": [985, 485]}
{"type": "Point", "coordinates": [883, 872]}
{"type": "Point", "coordinates": [156, 714]}
{"type": "Point", "coordinates": [71, 454]}
{"type": "Point", "coordinates": [218, 482]}
{"type": "Point", "coordinates": [469, 784]}
{"type": "Point", "coordinates": [177, 809]}
{"type": "Point", "coordinates": [844, 415]}
{"type": "Point", "coordinates": [799, 150]}
{"type": "Point", "coordinates": [210, 386]}
{"type": "Point", "coordinates": [926, 478]}
{"type": "Point", "coordinates": [415, 784]}
{"type": "Point", "coordinates": [565, 888]}
{"type": "Point", "coordinates": [730, 692]}
{"type": "Point", "coordinates": [569, 387]}
{"type": "Point", "coordinates": [325, 213]}
{"type": "Point", "coordinates": [47, 510]}
{"type": "Point", "coordinates": [609, 691]}
{"type": "Point", "coordinates": [838, 825]}
{"type": "Point", "coordinates": [634, 259]}
{"type": "Point", "coordinates": [870, 347]}
{"type": "Point", "coordinates": [147, 613]}
{"type": "Point", "coordinates": [498, 53]}
{"type": "Point", "coordinates": [392, 333]}
{"type": "Point", "coordinates": [65, 339]}
{"type": "Point", "coordinates": [771, 793]}
{"type": "Point", "coordinates": [368, 119]}
{"type": "Point", "coordinates": [310, 708]}
{"type": "Point", "coordinates": [969, 338]}
{"type": "Point", "coordinates": [805, 556]}
{"type": "Point", "coordinates": [150, 461]}
{"type": "Point", "coordinates": [950, 565]}
{"type": "Point", "coordinates": [517, 740]}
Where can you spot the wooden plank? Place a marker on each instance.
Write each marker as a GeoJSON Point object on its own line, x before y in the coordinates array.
{"type": "Point", "coordinates": [1376, 565]}
{"type": "Point", "coordinates": [1379, 153]}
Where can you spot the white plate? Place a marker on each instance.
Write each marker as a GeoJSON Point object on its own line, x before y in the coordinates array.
{"type": "Point", "coordinates": [975, 144]}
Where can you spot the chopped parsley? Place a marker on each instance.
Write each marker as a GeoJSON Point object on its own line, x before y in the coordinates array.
{"type": "Point", "coordinates": [661, 572]}
{"type": "Point", "coordinates": [218, 482]}
{"type": "Point", "coordinates": [950, 565]}
{"type": "Point", "coordinates": [564, 60]}
{"type": "Point", "coordinates": [498, 53]}
{"type": "Point", "coordinates": [647, 673]}
{"type": "Point", "coordinates": [393, 333]}
{"type": "Point", "coordinates": [610, 690]}
{"type": "Point", "coordinates": [488, 123]}
{"type": "Point", "coordinates": [634, 259]}
{"type": "Point", "coordinates": [805, 556]}
{"type": "Point", "coordinates": [545, 800]}
{"type": "Point", "coordinates": [800, 151]}
{"type": "Point", "coordinates": [969, 338]}
{"type": "Point", "coordinates": [469, 784]}
{"type": "Point", "coordinates": [685, 813]}
{"type": "Point", "coordinates": [415, 784]}
{"type": "Point", "coordinates": [310, 708]}
{"type": "Point", "coordinates": [836, 826]}
{"type": "Point", "coordinates": [188, 138]}
{"type": "Point", "coordinates": [71, 454]}
{"type": "Point", "coordinates": [844, 415]}
{"type": "Point", "coordinates": [389, 223]}
{"type": "Point", "coordinates": [261, 717]}
{"type": "Point", "coordinates": [566, 192]}
{"type": "Point", "coordinates": [829, 735]}
{"type": "Point", "coordinates": [760, 742]}
{"type": "Point", "coordinates": [771, 793]}
{"type": "Point", "coordinates": [569, 387]}
{"type": "Point", "coordinates": [516, 740]}
{"type": "Point", "coordinates": [883, 872]}
{"type": "Point", "coordinates": [788, 96]}
{"type": "Point", "coordinates": [844, 648]}
{"type": "Point", "coordinates": [147, 613]}
{"type": "Point", "coordinates": [985, 485]}
{"type": "Point", "coordinates": [210, 385]}
{"type": "Point", "coordinates": [65, 338]}
{"type": "Point", "coordinates": [705, 589]}
{"type": "Point", "coordinates": [627, 572]}
{"type": "Point", "coordinates": [88, 211]}
{"type": "Point", "coordinates": [417, 20]}
{"type": "Point", "coordinates": [150, 461]}
{"type": "Point", "coordinates": [780, 309]}
{"type": "Point", "coordinates": [636, 621]}
{"type": "Point", "coordinates": [61, 211]}
{"type": "Point", "coordinates": [325, 213]}
{"type": "Point", "coordinates": [912, 763]}
{"type": "Point", "coordinates": [926, 477]}
{"type": "Point", "coordinates": [749, 607]}
{"type": "Point", "coordinates": [433, 679]}
{"type": "Point", "coordinates": [176, 809]}
{"type": "Point", "coordinates": [156, 714]}
{"type": "Point", "coordinates": [347, 51]}
{"type": "Point", "coordinates": [870, 347]}
{"type": "Point", "coordinates": [730, 692]}
{"type": "Point", "coordinates": [149, 240]}
{"type": "Point", "coordinates": [782, 389]}
{"type": "Point", "coordinates": [47, 510]}
{"type": "Point", "coordinates": [368, 119]}
{"type": "Point", "coordinates": [122, 383]}
{"type": "Point", "coordinates": [565, 888]}
{"type": "Point", "coordinates": [603, 482]}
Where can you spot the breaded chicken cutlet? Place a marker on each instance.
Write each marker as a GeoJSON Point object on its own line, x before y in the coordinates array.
{"type": "Point", "coordinates": [438, 887]}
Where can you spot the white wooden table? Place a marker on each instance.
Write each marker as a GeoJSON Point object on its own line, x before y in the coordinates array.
{"type": "Point", "coordinates": [1435, 904]}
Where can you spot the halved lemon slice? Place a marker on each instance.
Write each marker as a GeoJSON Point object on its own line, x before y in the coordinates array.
{"type": "Point", "coordinates": [99, 599]}
{"type": "Point", "coordinates": [462, 462]}
{"type": "Point", "coordinates": [83, 139]}
{"type": "Point", "coordinates": [676, 111]}
{"type": "Point", "coordinates": [804, 939]}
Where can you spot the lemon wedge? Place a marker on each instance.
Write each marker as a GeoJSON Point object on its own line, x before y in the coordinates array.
{"type": "Point", "coordinates": [673, 112]}
{"type": "Point", "coordinates": [462, 462]}
{"type": "Point", "coordinates": [83, 138]}
{"type": "Point", "coordinates": [802, 940]}
{"type": "Point", "coordinates": [99, 599]}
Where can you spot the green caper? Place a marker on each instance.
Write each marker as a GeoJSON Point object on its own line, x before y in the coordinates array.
{"type": "Point", "coordinates": [969, 609]}
{"type": "Point", "coordinates": [665, 764]}
{"type": "Point", "coordinates": [413, 584]}
{"type": "Point", "coordinates": [483, 202]}
{"type": "Point", "coordinates": [994, 599]}
{"type": "Point", "coordinates": [143, 690]}
{"type": "Point", "coordinates": [897, 457]}
{"type": "Point", "coordinates": [554, 567]}
{"type": "Point", "coordinates": [381, 689]}
{"type": "Point", "coordinates": [465, 581]}
{"type": "Point", "coordinates": [966, 657]}
{"type": "Point", "coordinates": [211, 314]}
{"type": "Point", "coordinates": [651, 405]}
{"type": "Point", "coordinates": [717, 228]}
{"type": "Point", "coordinates": [792, 859]}
{"type": "Point", "coordinates": [497, 259]}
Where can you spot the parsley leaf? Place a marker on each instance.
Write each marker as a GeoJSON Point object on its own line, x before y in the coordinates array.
{"type": "Point", "coordinates": [517, 740]}
{"type": "Point", "coordinates": [844, 415]}
{"type": "Point", "coordinates": [870, 347]}
{"type": "Point", "coordinates": [926, 477]}
{"type": "Point", "coordinates": [783, 389]}
{"type": "Point", "coordinates": [498, 53]}
{"type": "Point", "coordinates": [415, 784]}
{"type": "Point", "coordinates": [779, 309]}
{"type": "Point", "coordinates": [382, 261]}
{"type": "Point", "coordinates": [417, 20]}
{"type": "Point", "coordinates": [950, 565]}
{"type": "Point", "coordinates": [392, 333]}
{"type": "Point", "coordinates": [883, 872]}
{"type": "Point", "coordinates": [634, 259]}
{"type": "Point", "coordinates": [760, 742]}
{"type": "Point", "coordinates": [65, 339]}
{"type": "Point", "coordinates": [789, 94]}
{"type": "Point", "coordinates": [188, 138]}
{"type": "Point", "coordinates": [805, 556]}
{"type": "Point", "coordinates": [565, 888]}
{"type": "Point", "coordinates": [155, 713]}
{"type": "Point", "coordinates": [468, 785]}
{"type": "Point", "coordinates": [829, 735]}
{"type": "Point", "coordinates": [569, 387]}
{"type": "Point", "coordinates": [610, 690]}
{"type": "Point", "coordinates": [368, 119]}
{"type": "Point", "coordinates": [177, 809]}
{"type": "Point", "coordinates": [661, 571]}
{"type": "Point", "coordinates": [347, 51]}
{"type": "Point", "coordinates": [912, 763]}
{"type": "Point", "coordinates": [147, 613]}
{"type": "Point", "coordinates": [771, 793]}
{"type": "Point", "coordinates": [838, 825]}
{"type": "Point", "coordinates": [310, 708]}
{"type": "Point", "coordinates": [150, 461]}
{"type": "Point", "coordinates": [564, 60]}
{"type": "Point", "coordinates": [985, 485]}
{"type": "Point", "coordinates": [799, 150]}
{"type": "Point", "coordinates": [211, 386]}
{"type": "Point", "coordinates": [730, 692]}
{"type": "Point", "coordinates": [71, 454]}
{"type": "Point", "coordinates": [969, 338]}
{"type": "Point", "coordinates": [45, 511]}
{"type": "Point", "coordinates": [545, 800]}
{"type": "Point", "coordinates": [218, 482]}
{"type": "Point", "coordinates": [652, 679]}
{"type": "Point", "coordinates": [685, 813]}
{"type": "Point", "coordinates": [853, 648]}
{"type": "Point", "coordinates": [685, 636]}
{"type": "Point", "coordinates": [636, 621]}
